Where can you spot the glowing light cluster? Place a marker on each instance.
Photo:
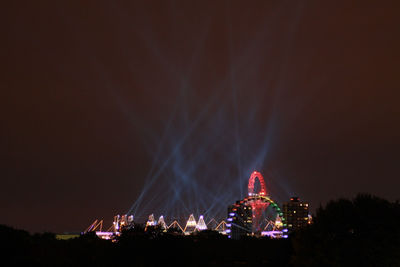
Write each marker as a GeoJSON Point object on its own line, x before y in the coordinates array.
{"type": "Point", "coordinates": [151, 221]}
{"type": "Point", "coordinates": [263, 189]}
{"type": "Point", "coordinates": [258, 202]}
{"type": "Point", "coordinates": [201, 225]}
{"type": "Point", "coordinates": [258, 205]}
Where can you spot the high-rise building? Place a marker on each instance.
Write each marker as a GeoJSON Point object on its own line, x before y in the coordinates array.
{"type": "Point", "coordinates": [239, 221]}
{"type": "Point", "coordinates": [296, 214]}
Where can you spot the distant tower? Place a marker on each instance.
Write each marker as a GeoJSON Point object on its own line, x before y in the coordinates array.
{"type": "Point", "coordinates": [201, 225]}
{"type": "Point", "coordinates": [190, 225]}
{"type": "Point", "coordinates": [161, 223]}
{"type": "Point", "coordinates": [296, 214]}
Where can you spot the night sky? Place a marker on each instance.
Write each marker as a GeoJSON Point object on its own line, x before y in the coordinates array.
{"type": "Point", "coordinates": [166, 107]}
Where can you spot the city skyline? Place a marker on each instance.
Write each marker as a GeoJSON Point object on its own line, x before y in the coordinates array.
{"type": "Point", "coordinates": [167, 107]}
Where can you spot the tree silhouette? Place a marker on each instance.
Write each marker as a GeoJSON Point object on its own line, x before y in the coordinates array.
{"type": "Point", "coordinates": [363, 231]}
{"type": "Point", "coordinates": [359, 232]}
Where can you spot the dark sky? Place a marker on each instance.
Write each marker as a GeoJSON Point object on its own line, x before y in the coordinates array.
{"type": "Point", "coordinates": [167, 106]}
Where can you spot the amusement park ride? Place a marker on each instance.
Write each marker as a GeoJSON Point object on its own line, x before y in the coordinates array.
{"type": "Point", "coordinates": [256, 224]}
{"type": "Point", "coordinates": [259, 202]}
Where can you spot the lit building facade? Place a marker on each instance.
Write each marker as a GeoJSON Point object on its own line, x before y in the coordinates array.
{"type": "Point", "coordinates": [239, 221]}
{"type": "Point", "coordinates": [295, 213]}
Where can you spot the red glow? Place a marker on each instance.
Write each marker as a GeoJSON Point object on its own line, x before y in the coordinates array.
{"type": "Point", "coordinates": [258, 206]}
{"type": "Point", "coordinates": [254, 175]}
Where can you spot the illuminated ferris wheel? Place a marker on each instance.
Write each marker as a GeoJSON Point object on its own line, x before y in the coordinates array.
{"type": "Point", "coordinates": [259, 202]}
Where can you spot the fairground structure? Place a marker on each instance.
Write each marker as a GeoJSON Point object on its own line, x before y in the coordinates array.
{"type": "Point", "coordinates": [126, 222]}
{"type": "Point", "coordinates": [246, 217]}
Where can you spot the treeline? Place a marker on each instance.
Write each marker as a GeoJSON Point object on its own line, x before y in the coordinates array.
{"type": "Point", "coordinates": [364, 231]}
{"type": "Point", "coordinates": [360, 232]}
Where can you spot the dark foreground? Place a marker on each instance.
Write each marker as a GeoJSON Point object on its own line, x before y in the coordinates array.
{"type": "Point", "coordinates": [360, 232]}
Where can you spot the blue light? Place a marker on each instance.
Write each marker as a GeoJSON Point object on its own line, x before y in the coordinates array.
{"type": "Point", "coordinates": [228, 231]}
{"type": "Point", "coordinates": [229, 219]}
{"type": "Point", "coordinates": [285, 236]}
{"type": "Point", "coordinates": [228, 225]}
{"type": "Point", "coordinates": [285, 230]}
{"type": "Point", "coordinates": [231, 214]}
